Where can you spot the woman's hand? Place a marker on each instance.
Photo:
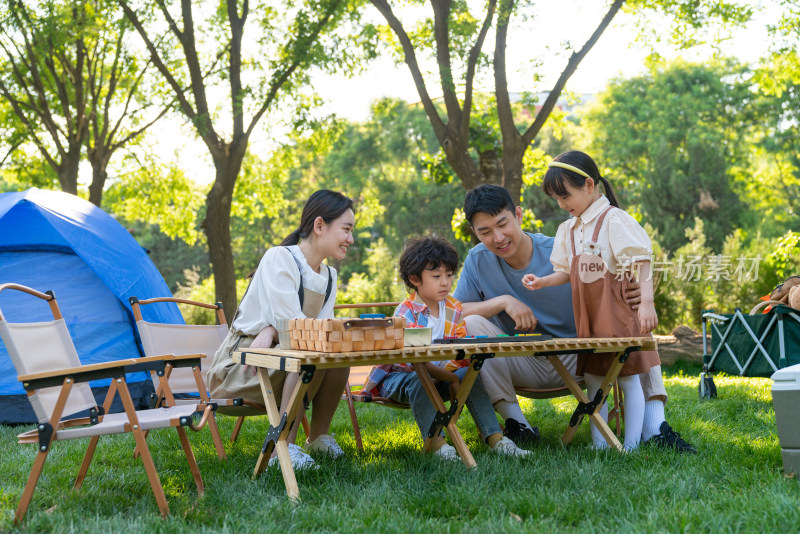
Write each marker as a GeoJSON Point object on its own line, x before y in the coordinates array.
{"type": "Point", "coordinates": [263, 340]}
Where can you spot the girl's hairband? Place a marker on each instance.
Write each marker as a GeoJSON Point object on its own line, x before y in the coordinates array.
{"type": "Point", "coordinates": [568, 167]}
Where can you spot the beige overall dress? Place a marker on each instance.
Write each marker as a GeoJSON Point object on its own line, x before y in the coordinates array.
{"type": "Point", "coordinates": [228, 379]}
{"type": "Point", "coordinates": [601, 311]}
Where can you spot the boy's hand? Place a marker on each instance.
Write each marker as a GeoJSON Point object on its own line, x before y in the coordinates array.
{"type": "Point", "coordinates": [454, 385]}
{"type": "Point", "coordinates": [521, 314]}
{"type": "Point", "coordinates": [533, 282]}
{"type": "Point", "coordinates": [648, 320]}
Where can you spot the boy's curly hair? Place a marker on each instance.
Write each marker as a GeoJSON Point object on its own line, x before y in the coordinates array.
{"type": "Point", "coordinates": [423, 253]}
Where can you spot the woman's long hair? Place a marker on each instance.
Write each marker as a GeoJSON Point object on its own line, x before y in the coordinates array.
{"type": "Point", "coordinates": [556, 178]}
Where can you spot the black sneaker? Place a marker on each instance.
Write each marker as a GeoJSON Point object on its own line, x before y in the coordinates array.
{"type": "Point", "coordinates": [669, 439]}
{"type": "Point", "coordinates": [521, 435]}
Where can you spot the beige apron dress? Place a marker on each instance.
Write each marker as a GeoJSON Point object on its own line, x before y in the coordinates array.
{"type": "Point", "coordinates": [228, 379]}
{"type": "Point", "coordinates": [601, 311]}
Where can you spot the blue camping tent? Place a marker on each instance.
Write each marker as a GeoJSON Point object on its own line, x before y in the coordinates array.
{"type": "Point", "coordinates": [56, 241]}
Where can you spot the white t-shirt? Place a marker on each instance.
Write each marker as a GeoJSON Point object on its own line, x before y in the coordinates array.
{"type": "Point", "coordinates": [273, 291]}
{"type": "Point", "coordinates": [436, 324]}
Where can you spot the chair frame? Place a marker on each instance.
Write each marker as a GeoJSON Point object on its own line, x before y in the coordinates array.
{"type": "Point", "coordinates": [136, 304]}
{"type": "Point", "coordinates": [47, 432]}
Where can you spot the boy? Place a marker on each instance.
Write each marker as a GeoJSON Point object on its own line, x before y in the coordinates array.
{"type": "Point", "coordinates": [426, 267]}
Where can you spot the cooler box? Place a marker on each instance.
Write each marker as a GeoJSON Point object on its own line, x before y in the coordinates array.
{"type": "Point", "coordinates": [786, 399]}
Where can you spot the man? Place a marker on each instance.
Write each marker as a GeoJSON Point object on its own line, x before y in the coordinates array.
{"type": "Point", "coordinates": [495, 302]}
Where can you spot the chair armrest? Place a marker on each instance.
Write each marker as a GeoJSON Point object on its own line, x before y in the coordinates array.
{"type": "Point", "coordinates": [179, 360]}
{"type": "Point", "coordinates": [94, 371]}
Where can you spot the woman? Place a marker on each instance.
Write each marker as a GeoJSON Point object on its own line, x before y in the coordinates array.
{"type": "Point", "coordinates": [292, 282]}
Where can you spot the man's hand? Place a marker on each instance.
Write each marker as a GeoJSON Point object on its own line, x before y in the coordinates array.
{"type": "Point", "coordinates": [521, 314]}
{"type": "Point", "coordinates": [633, 294]}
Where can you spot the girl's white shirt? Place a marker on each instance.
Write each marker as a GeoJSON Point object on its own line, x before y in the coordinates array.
{"type": "Point", "coordinates": [273, 291]}
{"type": "Point", "coordinates": [621, 243]}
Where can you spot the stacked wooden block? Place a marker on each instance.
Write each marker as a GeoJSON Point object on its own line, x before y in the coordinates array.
{"type": "Point", "coordinates": [347, 335]}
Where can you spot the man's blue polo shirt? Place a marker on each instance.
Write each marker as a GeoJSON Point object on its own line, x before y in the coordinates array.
{"type": "Point", "coordinates": [485, 276]}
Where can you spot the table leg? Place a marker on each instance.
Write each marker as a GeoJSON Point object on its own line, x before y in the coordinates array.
{"type": "Point", "coordinates": [438, 403]}
{"type": "Point", "coordinates": [279, 442]}
{"type": "Point", "coordinates": [583, 400]}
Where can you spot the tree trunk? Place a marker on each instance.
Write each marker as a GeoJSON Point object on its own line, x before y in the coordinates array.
{"type": "Point", "coordinates": [99, 175]}
{"type": "Point", "coordinates": [456, 151]}
{"type": "Point", "coordinates": [67, 169]}
{"type": "Point", "coordinates": [490, 166]}
{"type": "Point", "coordinates": [217, 227]}
{"type": "Point", "coordinates": [513, 153]}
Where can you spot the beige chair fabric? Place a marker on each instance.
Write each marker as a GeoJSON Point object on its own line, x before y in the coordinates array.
{"type": "Point", "coordinates": [42, 347]}
{"type": "Point", "coordinates": [158, 339]}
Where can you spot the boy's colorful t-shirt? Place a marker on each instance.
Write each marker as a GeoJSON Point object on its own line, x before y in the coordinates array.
{"type": "Point", "coordinates": [416, 314]}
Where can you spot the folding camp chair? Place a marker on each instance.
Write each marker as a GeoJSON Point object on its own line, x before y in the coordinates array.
{"type": "Point", "coordinates": [160, 338]}
{"type": "Point", "coordinates": [752, 344]}
{"type": "Point", "coordinates": [56, 383]}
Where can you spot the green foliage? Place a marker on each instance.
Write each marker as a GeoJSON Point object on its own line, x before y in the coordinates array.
{"type": "Point", "coordinates": [380, 282]}
{"type": "Point", "coordinates": [158, 195]}
{"type": "Point", "coordinates": [695, 278]}
{"type": "Point", "coordinates": [69, 78]}
{"type": "Point", "coordinates": [662, 136]}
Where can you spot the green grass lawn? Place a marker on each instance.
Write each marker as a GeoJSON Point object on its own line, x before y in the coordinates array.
{"type": "Point", "coordinates": [735, 483]}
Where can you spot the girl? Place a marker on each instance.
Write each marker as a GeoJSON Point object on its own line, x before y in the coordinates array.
{"type": "Point", "coordinates": [292, 282]}
{"type": "Point", "coordinates": [598, 251]}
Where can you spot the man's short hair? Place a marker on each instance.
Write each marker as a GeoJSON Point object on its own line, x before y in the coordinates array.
{"type": "Point", "coordinates": [487, 198]}
{"type": "Point", "coordinates": [423, 253]}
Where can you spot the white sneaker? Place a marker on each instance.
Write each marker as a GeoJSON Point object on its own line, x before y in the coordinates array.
{"type": "Point", "coordinates": [447, 452]}
{"type": "Point", "coordinates": [326, 445]}
{"type": "Point", "coordinates": [300, 459]}
{"type": "Point", "coordinates": [507, 447]}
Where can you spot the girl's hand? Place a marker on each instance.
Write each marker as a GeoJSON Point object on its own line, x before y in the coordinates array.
{"type": "Point", "coordinates": [533, 282]}
{"type": "Point", "coordinates": [648, 320]}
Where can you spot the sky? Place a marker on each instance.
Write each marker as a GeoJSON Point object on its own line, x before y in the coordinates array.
{"type": "Point", "coordinates": [555, 21]}
{"type": "Point", "coordinates": [615, 55]}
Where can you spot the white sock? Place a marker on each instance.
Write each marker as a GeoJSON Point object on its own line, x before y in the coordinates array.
{"type": "Point", "coordinates": [511, 410]}
{"type": "Point", "coordinates": [653, 417]}
{"type": "Point", "coordinates": [593, 383]}
{"type": "Point", "coordinates": [634, 409]}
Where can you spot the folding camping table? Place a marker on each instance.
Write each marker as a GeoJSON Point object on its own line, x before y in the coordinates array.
{"type": "Point", "coordinates": [307, 362]}
{"type": "Point", "coordinates": [749, 344]}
